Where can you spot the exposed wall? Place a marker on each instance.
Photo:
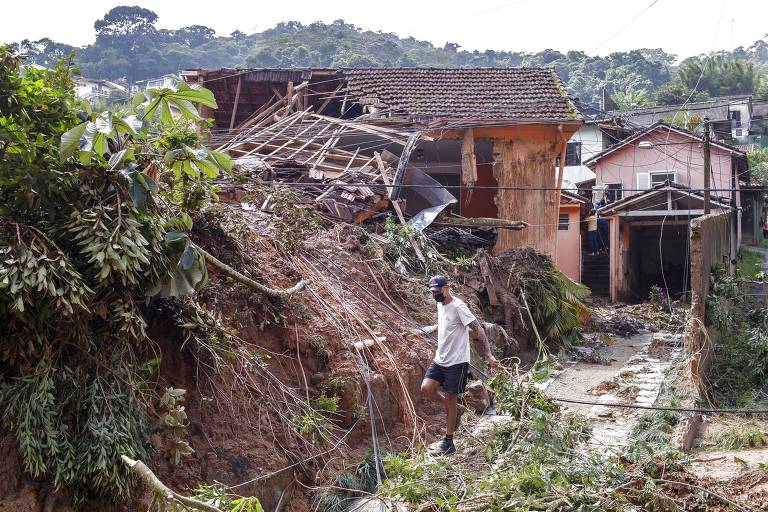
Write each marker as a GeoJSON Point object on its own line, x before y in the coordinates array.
{"type": "Point", "coordinates": [568, 258]}
{"type": "Point", "coordinates": [527, 164]}
{"type": "Point", "coordinates": [709, 246]}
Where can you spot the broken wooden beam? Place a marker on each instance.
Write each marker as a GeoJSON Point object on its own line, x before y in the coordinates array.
{"type": "Point", "coordinates": [481, 222]}
{"type": "Point", "coordinates": [485, 270]}
{"type": "Point", "coordinates": [396, 206]}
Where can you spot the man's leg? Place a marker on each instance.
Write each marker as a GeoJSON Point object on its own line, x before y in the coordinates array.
{"type": "Point", "coordinates": [430, 388]}
{"type": "Point", "coordinates": [451, 402]}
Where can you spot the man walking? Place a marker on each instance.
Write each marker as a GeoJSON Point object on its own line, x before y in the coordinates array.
{"type": "Point", "coordinates": [451, 364]}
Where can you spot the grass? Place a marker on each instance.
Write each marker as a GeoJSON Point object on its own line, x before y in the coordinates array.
{"type": "Point", "coordinates": [751, 263]}
{"type": "Point", "coordinates": [743, 436]}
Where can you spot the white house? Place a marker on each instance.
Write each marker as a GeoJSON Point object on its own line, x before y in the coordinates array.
{"type": "Point", "coordinates": [160, 82]}
{"type": "Point", "coordinates": [88, 88]}
{"type": "Point", "coordinates": [587, 142]}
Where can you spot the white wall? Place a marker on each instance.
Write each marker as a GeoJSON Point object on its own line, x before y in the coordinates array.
{"type": "Point", "coordinates": [591, 139]}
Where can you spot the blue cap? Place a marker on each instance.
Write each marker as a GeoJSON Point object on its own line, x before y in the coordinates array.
{"type": "Point", "coordinates": [437, 282]}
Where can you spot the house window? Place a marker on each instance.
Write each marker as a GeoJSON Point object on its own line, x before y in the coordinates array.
{"type": "Point", "coordinates": [735, 118]}
{"type": "Point", "coordinates": [614, 192]}
{"type": "Point", "coordinates": [572, 155]}
{"type": "Point", "coordinates": [658, 178]}
{"type": "Point", "coordinates": [562, 222]}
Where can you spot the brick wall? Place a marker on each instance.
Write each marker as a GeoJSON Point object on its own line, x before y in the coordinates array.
{"type": "Point", "coordinates": [710, 240]}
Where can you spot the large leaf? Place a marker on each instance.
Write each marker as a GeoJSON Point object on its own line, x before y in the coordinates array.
{"type": "Point", "coordinates": [70, 141]}
{"type": "Point", "coordinates": [188, 276]}
{"type": "Point", "coordinates": [104, 124]}
{"type": "Point", "coordinates": [202, 96]}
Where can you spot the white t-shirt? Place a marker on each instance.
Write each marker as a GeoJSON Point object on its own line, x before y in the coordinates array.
{"type": "Point", "coordinates": [453, 321]}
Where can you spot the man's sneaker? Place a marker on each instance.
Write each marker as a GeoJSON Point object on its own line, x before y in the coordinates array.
{"type": "Point", "coordinates": [445, 447]}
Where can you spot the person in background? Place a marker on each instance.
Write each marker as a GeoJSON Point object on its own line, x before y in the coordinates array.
{"type": "Point", "coordinates": [592, 232]}
{"type": "Point", "coordinates": [602, 234]}
{"type": "Point", "coordinates": [450, 367]}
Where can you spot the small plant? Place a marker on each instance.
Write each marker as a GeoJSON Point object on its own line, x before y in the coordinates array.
{"type": "Point", "coordinates": [325, 403]}
{"type": "Point", "coordinates": [734, 438]}
{"type": "Point", "coordinates": [174, 420]}
{"type": "Point", "coordinates": [320, 346]}
{"type": "Point", "coordinates": [219, 497]}
{"type": "Point", "coordinates": [338, 499]}
{"type": "Point", "coordinates": [295, 223]}
{"type": "Point", "coordinates": [657, 295]}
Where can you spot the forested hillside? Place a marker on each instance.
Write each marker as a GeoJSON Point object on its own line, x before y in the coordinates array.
{"type": "Point", "coordinates": [129, 46]}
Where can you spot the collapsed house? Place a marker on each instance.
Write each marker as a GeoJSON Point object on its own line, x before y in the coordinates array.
{"type": "Point", "coordinates": [479, 143]}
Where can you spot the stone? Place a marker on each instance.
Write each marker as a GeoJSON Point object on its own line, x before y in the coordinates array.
{"type": "Point", "coordinates": [476, 397]}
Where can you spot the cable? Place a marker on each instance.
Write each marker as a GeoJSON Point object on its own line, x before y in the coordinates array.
{"type": "Point", "coordinates": [625, 26]}
{"type": "Point", "coordinates": [660, 407]}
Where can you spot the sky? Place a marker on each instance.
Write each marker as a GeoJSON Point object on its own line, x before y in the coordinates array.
{"type": "Point", "coordinates": [681, 27]}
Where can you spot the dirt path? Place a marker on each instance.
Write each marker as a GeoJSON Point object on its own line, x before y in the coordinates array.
{"type": "Point", "coordinates": [637, 367]}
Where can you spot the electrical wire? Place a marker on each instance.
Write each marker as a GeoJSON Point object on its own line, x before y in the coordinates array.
{"type": "Point", "coordinates": [557, 399]}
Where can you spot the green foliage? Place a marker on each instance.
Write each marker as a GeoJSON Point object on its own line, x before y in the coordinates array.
{"type": "Point", "coordinates": [221, 498]}
{"type": "Point", "coordinates": [758, 166]}
{"type": "Point", "coordinates": [716, 75]}
{"type": "Point", "coordinates": [515, 399]}
{"type": "Point", "coordinates": [174, 421]}
{"type": "Point", "coordinates": [327, 404]}
{"type": "Point", "coordinates": [338, 498]}
{"type": "Point", "coordinates": [630, 98]}
{"type": "Point", "coordinates": [400, 252]}
{"type": "Point", "coordinates": [535, 465]}
{"type": "Point", "coordinates": [555, 303]}
{"type": "Point", "coordinates": [73, 421]}
{"type": "Point", "coordinates": [742, 436]}
{"type": "Point", "coordinates": [82, 243]}
{"type": "Point", "coordinates": [296, 224]}
{"type": "Point", "coordinates": [740, 365]}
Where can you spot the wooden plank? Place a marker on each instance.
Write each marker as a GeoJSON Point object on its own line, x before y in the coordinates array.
{"type": "Point", "coordinates": [295, 137]}
{"type": "Point", "coordinates": [396, 206]}
{"type": "Point", "coordinates": [289, 97]}
{"type": "Point", "coordinates": [485, 269]}
{"type": "Point", "coordinates": [289, 121]}
{"type": "Point", "coordinates": [237, 101]}
{"type": "Point", "coordinates": [468, 159]}
{"type": "Point", "coordinates": [328, 100]}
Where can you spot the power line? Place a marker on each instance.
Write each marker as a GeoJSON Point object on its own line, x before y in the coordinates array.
{"type": "Point", "coordinates": [625, 26]}
{"type": "Point", "coordinates": [699, 410]}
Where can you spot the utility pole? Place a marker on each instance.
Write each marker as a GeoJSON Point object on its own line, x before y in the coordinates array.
{"type": "Point", "coordinates": [707, 173]}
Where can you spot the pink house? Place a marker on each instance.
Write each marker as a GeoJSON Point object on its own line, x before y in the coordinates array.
{"type": "Point", "coordinates": [653, 185]}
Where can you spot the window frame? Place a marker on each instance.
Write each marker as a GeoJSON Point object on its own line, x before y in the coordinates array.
{"type": "Point", "coordinates": [564, 226]}
{"type": "Point", "coordinates": [608, 190]}
{"type": "Point", "coordinates": [575, 144]}
{"type": "Point", "coordinates": [651, 174]}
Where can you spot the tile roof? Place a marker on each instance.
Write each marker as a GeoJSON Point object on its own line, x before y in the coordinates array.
{"type": "Point", "coordinates": [659, 125]}
{"type": "Point", "coordinates": [521, 94]}
{"type": "Point", "coordinates": [716, 109]}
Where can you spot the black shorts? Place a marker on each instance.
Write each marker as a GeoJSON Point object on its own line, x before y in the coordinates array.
{"type": "Point", "coordinates": [453, 378]}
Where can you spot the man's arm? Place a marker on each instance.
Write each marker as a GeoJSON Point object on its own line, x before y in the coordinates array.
{"type": "Point", "coordinates": [485, 346]}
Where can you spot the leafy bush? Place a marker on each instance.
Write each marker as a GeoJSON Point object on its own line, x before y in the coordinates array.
{"type": "Point", "coordinates": [82, 243]}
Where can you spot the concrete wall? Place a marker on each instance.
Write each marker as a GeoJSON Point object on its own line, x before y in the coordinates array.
{"type": "Point", "coordinates": [710, 237]}
{"type": "Point", "coordinates": [568, 258]}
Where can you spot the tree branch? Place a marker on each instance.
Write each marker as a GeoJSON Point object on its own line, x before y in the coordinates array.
{"type": "Point", "coordinates": [280, 293]}
{"type": "Point", "coordinates": [160, 489]}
